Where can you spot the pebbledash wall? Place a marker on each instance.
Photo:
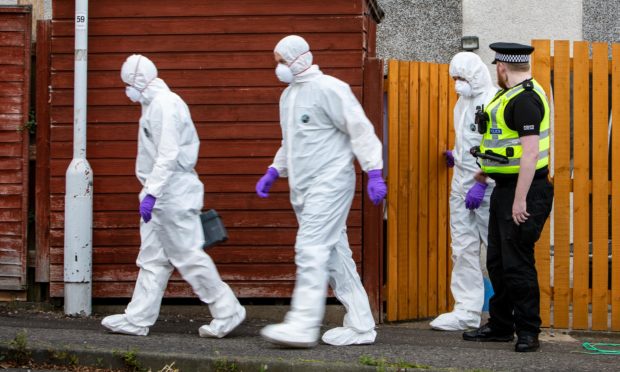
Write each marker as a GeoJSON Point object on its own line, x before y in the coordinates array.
{"type": "Point", "coordinates": [419, 30]}
{"type": "Point", "coordinates": [431, 30]}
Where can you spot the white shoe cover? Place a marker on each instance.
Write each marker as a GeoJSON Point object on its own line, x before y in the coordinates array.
{"type": "Point", "coordinates": [457, 320]}
{"type": "Point", "coordinates": [118, 324]}
{"type": "Point", "coordinates": [342, 336]}
{"type": "Point", "coordinates": [287, 334]}
{"type": "Point", "coordinates": [220, 327]}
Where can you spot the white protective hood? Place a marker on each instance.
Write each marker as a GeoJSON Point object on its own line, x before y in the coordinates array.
{"type": "Point", "coordinates": [470, 67]}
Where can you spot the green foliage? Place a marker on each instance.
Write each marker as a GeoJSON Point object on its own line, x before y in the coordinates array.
{"type": "Point", "coordinates": [383, 364]}
{"type": "Point", "coordinates": [223, 365]}
{"type": "Point", "coordinates": [65, 357]}
{"type": "Point", "coordinates": [31, 124]}
{"type": "Point", "coordinates": [130, 358]}
{"type": "Point", "coordinates": [19, 347]}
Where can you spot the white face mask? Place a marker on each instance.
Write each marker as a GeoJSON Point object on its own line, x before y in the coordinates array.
{"type": "Point", "coordinates": [463, 88]}
{"type": "Point", "coordinates": [284, 73]}
{"type": "Point", "coordinates": [133, 94]}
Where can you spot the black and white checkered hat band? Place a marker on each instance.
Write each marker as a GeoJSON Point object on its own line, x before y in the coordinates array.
{"type": "Point", "coordinates": [512, 58]}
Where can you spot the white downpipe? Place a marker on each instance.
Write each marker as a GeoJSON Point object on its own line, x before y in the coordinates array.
{"type": "Point", "coordinates": [79, 186]}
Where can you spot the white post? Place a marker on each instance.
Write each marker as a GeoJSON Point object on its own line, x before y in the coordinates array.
{"type": "Point", "coordinates": [79, 185]}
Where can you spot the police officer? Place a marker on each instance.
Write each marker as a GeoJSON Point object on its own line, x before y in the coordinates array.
{"type": "Point", "coordinates": [517, 139]}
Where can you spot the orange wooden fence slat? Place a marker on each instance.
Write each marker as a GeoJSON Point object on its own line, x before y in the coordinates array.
{"type": "Point", "coordinates": [561, 262]}
{"type": "Point", "coordinates": [615, 190]}
{"type": "Point", "coordinates": [414, 96]}
{"type": "Point", "coordinates": [442, 186]}
{"type": "Point", "coordinates": [599, 185]}
{"type": "Point", "coordinates": [433, 156]}
{"type": "Point", "coordinates": [581, 178]}
{"type": "Point", "coordinates": [423, 205]}
{"type": "Point", "coordinates": [541, 70]}
{"type": "Point", "coordinates": [403, 189]}
{"type": "Point", "coordinates": [392, 241]}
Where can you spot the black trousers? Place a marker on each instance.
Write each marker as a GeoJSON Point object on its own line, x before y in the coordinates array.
{"type": "Point", "coordinates": [515, 304]}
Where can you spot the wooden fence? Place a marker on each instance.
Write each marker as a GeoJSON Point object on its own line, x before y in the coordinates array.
{"type": "Point", "coordinates": [420, 99]}
{"type": "Point", "coordinates": [15, 50]}
{"type": "Point", "coordinates": [578, 277]}
{"type": "Point", "coordinates": [582, 95]}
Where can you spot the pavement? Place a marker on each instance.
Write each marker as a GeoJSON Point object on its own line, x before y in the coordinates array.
{"type": "Point", "coordinates": [47, 336]}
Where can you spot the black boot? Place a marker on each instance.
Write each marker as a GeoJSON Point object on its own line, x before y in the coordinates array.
{"type": "Point", "coordinates": [527, 342]}
{"type": "Point", "coordinates": [487, 334]}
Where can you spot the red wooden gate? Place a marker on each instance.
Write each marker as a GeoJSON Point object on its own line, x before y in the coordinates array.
{"type": "Point", "coordinates": [15, 31]}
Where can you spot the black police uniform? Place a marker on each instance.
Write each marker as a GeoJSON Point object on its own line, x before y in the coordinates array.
{"type": "Point", "coordinates": [515, 304]}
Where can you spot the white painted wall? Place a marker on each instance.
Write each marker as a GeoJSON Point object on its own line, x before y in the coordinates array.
{"type": "Point", "coordinates": [521, 21]}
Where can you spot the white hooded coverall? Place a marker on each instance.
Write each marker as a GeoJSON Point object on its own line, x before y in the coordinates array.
{"type": "Point", "coordinates": [167, 154]}
{"type": "Point", "coordinates": [468, 227]}
{"type": "Point", "coordinates": [323, 128]}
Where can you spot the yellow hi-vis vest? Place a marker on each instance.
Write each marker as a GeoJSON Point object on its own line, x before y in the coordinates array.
{"type": "Point", "coordinates": [502, 140]}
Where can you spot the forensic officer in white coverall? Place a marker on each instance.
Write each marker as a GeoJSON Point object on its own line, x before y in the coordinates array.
{"type": "Point", "coordinates": [469, 199]}
{"type": "Point", "coordinates": [170, 203]}
{"type": "Point", "coordinates": [323, 129]}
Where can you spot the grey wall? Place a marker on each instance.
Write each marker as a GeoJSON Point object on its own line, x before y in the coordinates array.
{"type": "Point", "coordinates": [520, 21]}
{"type": "Point", "coordinates": [420, 30]}
{"type": "Point", "coordinates": [601, 20]}
{"type": "Point", "coordinates": [48, 9]}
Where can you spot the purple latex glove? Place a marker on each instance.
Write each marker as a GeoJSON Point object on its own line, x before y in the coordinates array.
{"type": "Point", "coordinates": [376, 186]}
{"type": "Point", "coordinates": [146, 207]}
{"type": "Point", "coordinates": [449, 158]}
{"type": "Point", "coordinates": [475, 195]}
{"type": "Point", "coordinates": [264, 184]}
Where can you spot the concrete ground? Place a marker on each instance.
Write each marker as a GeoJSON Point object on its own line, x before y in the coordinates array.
{"type": "Point", "coordinates": [173, 344]}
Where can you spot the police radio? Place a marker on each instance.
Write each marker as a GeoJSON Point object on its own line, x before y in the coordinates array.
{"type": "Point", "coordinates": [481, 119]}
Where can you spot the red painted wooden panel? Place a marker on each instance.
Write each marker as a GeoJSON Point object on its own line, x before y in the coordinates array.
{"type": "Point", "coordinates": [208, 149]}
{"type": "Point", "coordinates": [210, 61]}
{"type": "Point", "coordinates": [131, 219]}
{"type": "Point", "coordinates": [8, 22]}
{"type": "Point", "coordinates": [10, 201]}
{"type": "Point", "coordinates": [11, 121]}
{"type": "Point", "coordinates": [15, 33]}
{"type": "Point", "coordinates": [201, 78]}
{"type": "Point", "coordinates": [11, 88]}
{"type": "Point", "coordinates": [206, 131]}
{"type": "Point", "coordinates": [237, 236]}
{"type": "Point", "coordinates": [204, 43]}
{"type": "Point", "coordinates": [12, 38]}
{"type": "Point", "coordinates": [180, 8]}
{"type": "Point", "coordinates": [215, 183]}
{"type": "Point", "coordinates": [10, 176]}
{"type": "Point", "coordinates": [218, 57]}
{"type": "Point", "coordinates": [220, 201]}
{"type": "Point", "coordinates": [216, 25]}
{"type": "Point", "coordinates": [182, 289]}
{"type": "Point", "coordinates": [220, 254]}
{"type": "Point", "coordinates": [12, 73]}
{"type": "Point", "coordinates": [12, 228]}
{"type": "Point", "coordinates": [42, 205]}
{"type": "Point", "coordinates": [10, 55]}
